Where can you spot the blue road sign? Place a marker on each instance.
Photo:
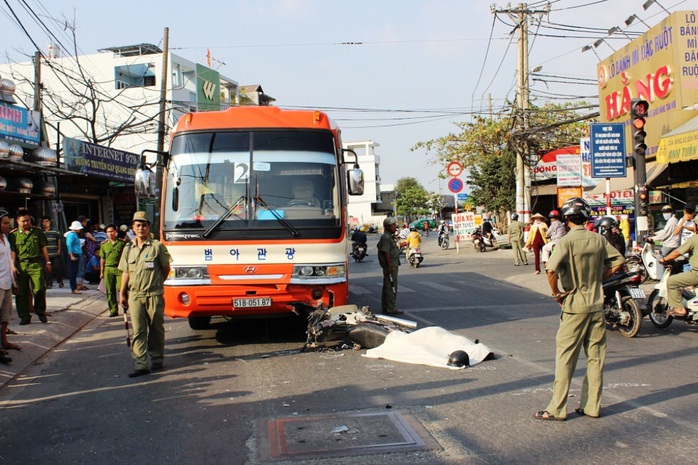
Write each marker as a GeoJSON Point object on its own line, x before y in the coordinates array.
{"type": "Point", "coordinates": [462, 197]}
{"type": "Point", "coordinates": [608, 150]}
{"type": "Point", "coordinates": [455, 185]}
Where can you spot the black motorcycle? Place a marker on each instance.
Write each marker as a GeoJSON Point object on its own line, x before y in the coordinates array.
{"type": "Point", "coordinates": [621, 310]}
{"type": "Point", "coordinates": [443, 240]}
{"type": "Point", "coordinates": [359, 252]}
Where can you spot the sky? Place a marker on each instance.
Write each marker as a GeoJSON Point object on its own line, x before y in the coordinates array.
{"type": "Point", "coordinates": [396, 72]}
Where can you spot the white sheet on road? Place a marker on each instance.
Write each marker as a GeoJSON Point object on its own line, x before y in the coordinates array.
{"type": "Point", "coordinates": [428, 346]}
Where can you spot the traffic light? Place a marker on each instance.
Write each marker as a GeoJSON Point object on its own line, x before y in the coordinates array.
{"type": "Point", "coordinates": [642, 200]}
{"type": "Point", "coordinates": [638, 113]}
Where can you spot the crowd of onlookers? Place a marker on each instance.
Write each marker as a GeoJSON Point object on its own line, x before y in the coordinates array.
{"type": "Point", "coordinates": [35, 257]}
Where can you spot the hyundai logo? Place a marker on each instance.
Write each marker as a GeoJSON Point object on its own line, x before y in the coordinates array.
{"type": "Point", "coordinates": [250, 269]}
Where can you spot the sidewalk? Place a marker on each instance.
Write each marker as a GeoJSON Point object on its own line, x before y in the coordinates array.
{"type": "Point", "coordinates": [66, 312]}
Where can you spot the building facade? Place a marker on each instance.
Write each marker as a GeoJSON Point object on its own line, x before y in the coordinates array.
{"type": "Point", "coordinates": [109, 101]}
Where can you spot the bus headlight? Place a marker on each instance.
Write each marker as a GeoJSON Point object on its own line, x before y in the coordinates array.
{"type": "Point", "coordinates": [188, 276]}
{"type": "Point", "coordinates": [319, 274]}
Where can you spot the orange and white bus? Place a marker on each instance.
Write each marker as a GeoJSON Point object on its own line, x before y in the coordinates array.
{"type": "Point", "coordinates": [253, 212]}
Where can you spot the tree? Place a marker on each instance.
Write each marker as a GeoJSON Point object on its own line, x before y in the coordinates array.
{"type": "Point", "coordinates": [494, 183]}
{"type": "Point", "coordinates": [486, 147]}
{"type": "Point", "coordinates": [90, 107]}
{"type": "Point", "coordinates": [412, 198]}
{"type": "Point", "coordinates": [436, 203]}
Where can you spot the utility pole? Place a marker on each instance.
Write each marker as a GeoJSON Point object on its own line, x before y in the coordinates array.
{"type": "Point", "coordinates": [523, 171]}
{"type": "Point", "coordinates": [160, 165]}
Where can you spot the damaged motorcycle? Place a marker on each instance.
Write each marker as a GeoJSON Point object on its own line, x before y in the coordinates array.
{"type": "Point", "coordinates": [350, 325]}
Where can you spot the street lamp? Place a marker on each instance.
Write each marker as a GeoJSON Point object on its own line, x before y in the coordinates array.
{"type": "Point", "coordinates": [615, 29]}
{"type": "Point", "coordinates": [603, 41]}
{"type": "Point", "coordinates": [632, 18]}
{"type": "Point", "coordinates": [589, 47]}
{"type": "Point", "coordinates": [649, 3]}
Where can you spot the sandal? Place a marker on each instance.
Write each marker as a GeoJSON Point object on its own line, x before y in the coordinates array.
{"type": "Point", "coordinates": [580, 411]}
{"type": "Point", "coordinates": [76, 292]}
{"type": "Point", "coordinates": [545, 415]}
{"type": "Point", "coordinates": [11, 346]}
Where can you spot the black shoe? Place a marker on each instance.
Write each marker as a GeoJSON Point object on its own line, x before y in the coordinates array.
{"type": "Point", "coordinates": [43, 319]}
{"type": "Point", "coordinates": [111, 315]}
{"type": "Point", "coordinates": [25, 321]}
{"type": "Point", "coordinates": [137, 373]}
{"type": "Point", "coordinates": [5, 360]}
{"type": "Point", "coordinates": [156, 366]}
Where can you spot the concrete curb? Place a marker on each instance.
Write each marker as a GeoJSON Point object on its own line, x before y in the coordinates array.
{"type": "Point", "coordinates": [67, 314]}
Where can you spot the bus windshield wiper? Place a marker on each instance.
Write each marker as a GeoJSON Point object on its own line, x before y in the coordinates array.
{"type": "Point", "coordinates": [294, 232]}
{"type": "Point", "coordinates": [242, 199]}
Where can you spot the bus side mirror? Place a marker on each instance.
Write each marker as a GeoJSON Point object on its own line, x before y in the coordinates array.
{"type": "Point", "coordinates": [355, 181]}
{"type": "Point", "coordinates": [355, 177]}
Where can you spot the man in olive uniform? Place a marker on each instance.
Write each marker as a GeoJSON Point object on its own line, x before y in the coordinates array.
{"type": "Point", "coordinates": [516, 233]}
{"type": "Point", "coordinates": [582, 260]}
{"type": "Point", "coordinates": [145, 264]}
{"type": "Point", "coordinates": [111, 250]}
{"type": "Point", "coordinates": [389, 260]}
{"type": "Point", "coordinates": [55, 252]}
{"type": "Point", "coordinates": [29, 254]}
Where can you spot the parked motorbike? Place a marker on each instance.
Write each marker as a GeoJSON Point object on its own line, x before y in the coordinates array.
{"type": "Point", "coordinates": [414, 256]}
{"type": "Point", "coordinates": [349, 324]}
{"type": "Point", "coordinates": [443, 240]}
{"type": "Point", "coordinates": [620, 307]}
{"type": "Point", "coordinates": [647, 263]}
{"type": "Point", "coordinates": [359, 252]}
{"type": "Point", "coordinates": [658, 304]}
{"type": "Point", "coordinates": [480, 241]}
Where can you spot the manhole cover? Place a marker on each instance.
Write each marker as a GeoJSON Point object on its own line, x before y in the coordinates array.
{"type": "Point", "coordinates": [341, 435]}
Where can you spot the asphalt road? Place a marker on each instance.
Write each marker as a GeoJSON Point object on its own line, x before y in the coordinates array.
{"type": "Point", "coordinates": [223, 387]}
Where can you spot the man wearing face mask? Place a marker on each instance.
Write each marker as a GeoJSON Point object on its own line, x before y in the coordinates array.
{"type": "Point", "coordinates": [669, 240]}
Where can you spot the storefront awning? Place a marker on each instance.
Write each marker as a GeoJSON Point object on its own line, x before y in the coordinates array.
{"type": "Point", "coordinates": [679, 145]}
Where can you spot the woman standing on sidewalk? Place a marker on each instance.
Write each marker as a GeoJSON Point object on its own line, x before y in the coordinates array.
{"type": "Point", "coordinates": [72, 243]}
{"type": "Point", "coordinates": [537, 238]}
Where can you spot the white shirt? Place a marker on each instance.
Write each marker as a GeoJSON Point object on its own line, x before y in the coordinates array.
{"type": "Point", "coordinates": [5, 264]}
{"type": "Point", "coordinates": [667, 236]}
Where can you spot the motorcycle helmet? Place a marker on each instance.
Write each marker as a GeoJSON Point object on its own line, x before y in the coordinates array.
{"type": "Point", "coordinates": [667, 209]}
{"type": "Point", "coordinates": [554, 214]}
{"type": "Point", "coordinates": [458, 358]}
{"type": "Point", "coordinates": [606, 224]}
{"type": "Point", "coordinates": [363, 229]}
{"type": "Point", "coordinates": [515, 217]}
{"type": "Point", "coordinates": [576, 210]}
{"type": "Point", "coordinates": [413, 228]}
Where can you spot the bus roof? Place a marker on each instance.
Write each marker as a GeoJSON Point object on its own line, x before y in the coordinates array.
{"type": "Point", "coordinates": [255, 117]}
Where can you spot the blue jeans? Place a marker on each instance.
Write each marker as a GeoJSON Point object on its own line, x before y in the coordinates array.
{"type": "Point", "coordinates": [73, 267]}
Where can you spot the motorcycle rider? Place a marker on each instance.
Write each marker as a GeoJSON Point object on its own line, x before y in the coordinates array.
{"type": "Point", "coordinates": [441, 230]}
{"type": "Point", "coordinates": [677, 282]}
{"type": "Point", "coordinates": [414, 239]}
{"type": "Point", "coordinates": [555, 232]}
{"type": "Point", "coordinates": [405, 231]}
{"type": "Point", "coordinates": [686, 226]}
{"type": "Point", "coordinates": [666, 235]}
{"type": "Point", "coordinates": [358, 237]}
{"type": "Point", "coordinates": [608, 228]}
{"type": "Point", "coordinates": [488, 232]}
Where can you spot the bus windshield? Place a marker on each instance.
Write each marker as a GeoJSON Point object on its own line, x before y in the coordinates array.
{"type": "Point", "coordinates": [242, 180]}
